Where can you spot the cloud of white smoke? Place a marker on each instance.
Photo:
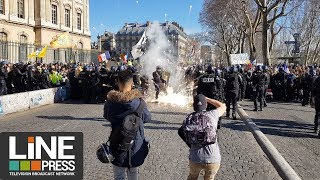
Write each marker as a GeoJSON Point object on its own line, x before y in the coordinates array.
{"type": "Point", "coordinates": [159, 53]}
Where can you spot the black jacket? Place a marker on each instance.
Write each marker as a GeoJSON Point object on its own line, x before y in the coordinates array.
{"type": "Point", "coordinates": [117, 107]}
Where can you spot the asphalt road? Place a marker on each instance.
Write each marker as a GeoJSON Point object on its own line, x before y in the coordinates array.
{"type": "Point", "coordinates": [289, 126]}
{"type": "Point", "coordinates": [242, 157]}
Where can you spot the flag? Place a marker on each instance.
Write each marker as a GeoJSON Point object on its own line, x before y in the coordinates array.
{"type": "Point", "coordinates": [108, 55]}
{"type": "Point", "coordinates": [32, 55]}
{"type": "Point", "coordinates": [38, 53]}
{"type": "Point", "coordinates": [104, 56]}
{"type": "Point", "coordinates": [43, 52]}
{"type": "Point", "coordinates": [62, 41]}
{"type": "Point", "coordinates": [137, 50]}
{"type": "Point", "coordinates": [193, 50]}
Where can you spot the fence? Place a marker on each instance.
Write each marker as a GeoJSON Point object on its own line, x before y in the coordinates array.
{"type": "Point", "coordinates": [14, 52]}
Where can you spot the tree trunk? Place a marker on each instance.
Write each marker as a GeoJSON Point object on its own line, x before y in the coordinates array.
{"type": "Point", "coordinates": [265, 50]}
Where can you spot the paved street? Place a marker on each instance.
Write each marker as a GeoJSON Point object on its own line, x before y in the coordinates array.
{"type": "Point", "coordinates": [242, 158]}
{"type": "Point", "coordinates": [289, 126]}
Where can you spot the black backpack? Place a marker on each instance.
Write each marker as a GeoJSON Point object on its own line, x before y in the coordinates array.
{"type": "Point", "coordinates": [122, 137]}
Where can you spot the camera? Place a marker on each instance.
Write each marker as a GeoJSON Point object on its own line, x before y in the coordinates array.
{"type": "Point", "coordinates": [104, 153]}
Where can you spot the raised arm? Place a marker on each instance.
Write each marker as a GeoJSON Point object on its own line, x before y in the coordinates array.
{"type": "Point", "coordinates": [221, 107]}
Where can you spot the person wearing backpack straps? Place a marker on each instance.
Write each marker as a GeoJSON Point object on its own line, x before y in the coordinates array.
{"type": "Point", "coordinates": [200, 134]}
{"type": "Point", "coordinates": [127, 113]}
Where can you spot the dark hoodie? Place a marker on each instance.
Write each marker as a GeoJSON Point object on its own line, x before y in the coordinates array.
{"type": "Point", "coordinates": [117, 107]}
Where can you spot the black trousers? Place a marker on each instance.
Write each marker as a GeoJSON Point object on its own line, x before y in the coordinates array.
{"type": "Point", "coordinates": [243, 91]}
{"type": "Point", "coordinates": [258, 96]}
{"type": "Point", "coordinates": [3, 87]}
{"type": "Point", "coordinates": [231, 99]}
{"type": "Point", "coordinates": [306, 97]}
{"type": "Point", "coordinates": [317, 115]}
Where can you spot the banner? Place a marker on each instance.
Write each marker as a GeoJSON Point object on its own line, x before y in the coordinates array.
{"type": "Point", "coordinates": [62, 41]}
{"type": "Point", "coordinates": [239, 58]}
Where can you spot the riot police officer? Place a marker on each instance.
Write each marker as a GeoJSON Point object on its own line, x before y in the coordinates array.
{"type": "Point", "coordinates": [266, 85]}
{"type": "Point", "coordinates": [280, 85]}
{"type": "Point", "coordinates": [307, 85]}
{"type": "Point", "coordinates": [316, 95]}
{"type": "Point", "coordinates": [74, 84]}
{"type": "Point", "coordinates": [95, 86]}
{"type": "Point", "coordinates": [84, 83]}
{"type": "Point", "coordinates": [258, 84]}
{"type": "Point", "coordinates": [207, 86]}
{"type": "Point", "coordinates": [243, 86]}
{"type": "Point", "coordinates": [18, 79]}
{"type": "Point", "coordinates": [159, 82]}
{"type": "Point", "coordinates": [233, 82]}
{"type": "Point", "coordinates": [3, 78]}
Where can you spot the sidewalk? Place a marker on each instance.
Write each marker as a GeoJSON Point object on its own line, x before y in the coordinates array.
{"type": "Point", "coordinates": [289, 127]}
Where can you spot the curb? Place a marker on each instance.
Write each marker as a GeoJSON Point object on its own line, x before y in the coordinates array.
{"type": "Point", "coordinates": [281, 165]}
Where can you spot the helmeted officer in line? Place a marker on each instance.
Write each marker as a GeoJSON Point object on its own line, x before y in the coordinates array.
{"type": "Point", "coordinates": [207, 85]}
{"type": "Point", "coordinates": [307, 85]}
{"type": "Point", "coordinates": [233, 82]}
{"type": "Point", "coordinates": [265, 70]}
{"type": "Point", "coordinates": [258, 83]}
{"type": "Point", "coordinates": [316, 95]}
{"type": "Point", "coordinates": [3, 77]}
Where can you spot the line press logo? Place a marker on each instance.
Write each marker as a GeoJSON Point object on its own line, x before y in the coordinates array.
{"type": "Point", "coordinates": [37, 155]}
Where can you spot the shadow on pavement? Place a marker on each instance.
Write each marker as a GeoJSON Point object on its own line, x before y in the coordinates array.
{"type": "Point", "coordinates": [153, 127]}
{"type": "Point", "coordinates": [285, 128]}
{"type": "Point", "coordinates": [236, 125]}
{"type": "Point", "coordinates": [170, 113]}
{"type": "Point", "coordinates": [164, 122]}
{"type": "Point", "coordinates": [251, 107]}
{"type": "Point", "coordinates": [70, 118]}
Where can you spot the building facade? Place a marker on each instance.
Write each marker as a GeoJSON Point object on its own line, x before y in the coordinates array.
{"type": "Point", "coordinates": [106, 41]}
{"type": "Point", "coordinates": [131, 33]}
{"type": "Point", "coordinates": [26, 25]}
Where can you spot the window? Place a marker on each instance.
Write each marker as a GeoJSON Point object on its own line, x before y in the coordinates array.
{"type": "Point", "coordinates": [3, 36]}
{"type": "Point", "coordinates": [23, 48]}
{"type": "Point", "coordinates": [23, 39]}
{"type": "Point", "coordinates": [1, 6]}
{"type": "Point", "coordinates": [79, 21]}
{"type": "Point", "coordinates": [3, 46]}
{"type": "Point", "coordinates": [20, 8]}
{"type": "Point", "coordinates": [80, 45]}
{"type": "Point", "coordinates": [67, 17]}
{"type": "Point", "coordinates": [54, 14]}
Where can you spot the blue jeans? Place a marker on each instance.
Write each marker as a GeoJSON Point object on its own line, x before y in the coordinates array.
{"type": "Point", "coordinates": [120, 173]}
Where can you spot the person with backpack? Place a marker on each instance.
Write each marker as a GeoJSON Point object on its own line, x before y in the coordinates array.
{"type": "Point", "coordinates": [127, 113]}
{"type": "Point", "coordinates": [199, 131]}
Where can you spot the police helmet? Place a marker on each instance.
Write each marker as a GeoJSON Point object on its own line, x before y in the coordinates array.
{"type": "Point", "coordinates": [258, 68]}
{"type": "Point", "coordinates": [210, 69]}
{"type": "Point", "coordinates": [3, 63]}
{"type": "Point", "coordinates": [113, 68]}
{"type": "Point", "coordinates": [159, 68]}
{"type": "Point", "coordinates": [265, 68]}
{"type": "Point", "coordinates": [233, 69]}
{"type": "Point", "coordinates": [312, 71]}
{"type": "Point", "coordinates": [86, 68]}
{"type": "Point", "coordinates": [217, 71]}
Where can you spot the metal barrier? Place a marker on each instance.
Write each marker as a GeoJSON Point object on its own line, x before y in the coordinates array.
{"type": "Point", "coordinates": [14, 52]}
